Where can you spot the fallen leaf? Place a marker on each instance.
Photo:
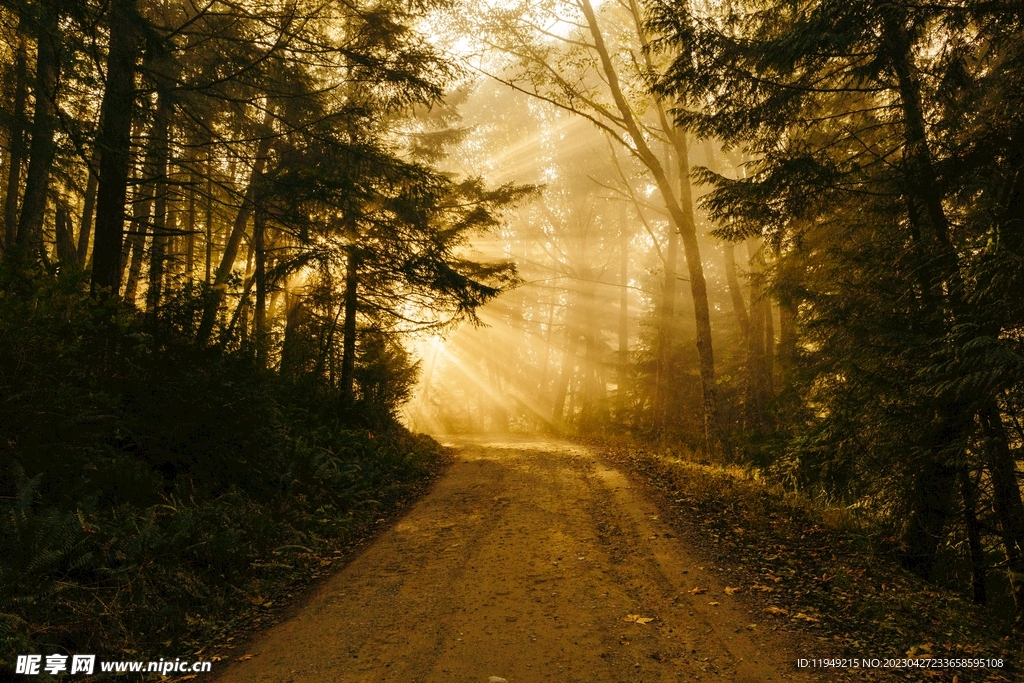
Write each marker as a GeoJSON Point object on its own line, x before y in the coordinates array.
{"type": "Point", "coordinates": [763, 589]}
{"type": "Point", "coordinates": [244, 658]}
{"type": "Point", "coordinates": [697, 590]}
{"type": "Point", "coordinates": [775, 610]}
{"type": "Point", "coordinates": [806, 617]}
{"type": "Point", "coordinates": [729, 590]}
{"type": "Point", "coordinates": [714, 604]}
{"type": "Point", "coordinates": [637, 619]}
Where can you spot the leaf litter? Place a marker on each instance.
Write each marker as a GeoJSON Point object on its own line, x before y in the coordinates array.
{"type": "Point", "coordinates": [833, 583]}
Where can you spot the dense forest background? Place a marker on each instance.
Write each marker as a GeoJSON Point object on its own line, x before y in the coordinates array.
{"type": "Point", "coordinates": [781, 235]}
{"type": "Point", "coordinates": [239, 240]}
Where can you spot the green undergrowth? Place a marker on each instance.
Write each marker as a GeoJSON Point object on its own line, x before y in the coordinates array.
{"type": "Point", "coordinates": [820, 571]}
{"type": "Point", "coordinates": [155, 494]}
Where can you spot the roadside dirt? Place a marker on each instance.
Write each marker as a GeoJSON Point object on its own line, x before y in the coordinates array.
{"type": "Point", "coordinates": [528, 561]}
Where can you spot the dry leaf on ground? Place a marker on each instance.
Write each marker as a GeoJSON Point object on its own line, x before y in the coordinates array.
{"type": "Point", "coordinates": [637, 619]}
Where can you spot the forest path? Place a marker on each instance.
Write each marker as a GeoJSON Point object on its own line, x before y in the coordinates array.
{"type": "Point", "coordinates": [522, 563]}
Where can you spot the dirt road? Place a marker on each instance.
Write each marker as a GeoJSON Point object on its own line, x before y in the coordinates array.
{"type": "Point", "coordinates": [523, 563]}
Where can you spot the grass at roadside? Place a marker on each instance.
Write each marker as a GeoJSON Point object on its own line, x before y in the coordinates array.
{"type": "Point", "coordinates": [818, 571]}
{"type": "Point", "coordinates": [170, 579]}
{"type": "Point", "coordinates": [156, 493]}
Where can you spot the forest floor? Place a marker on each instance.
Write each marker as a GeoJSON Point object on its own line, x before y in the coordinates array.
{"type": "Point", "coordinates": [531, 560]}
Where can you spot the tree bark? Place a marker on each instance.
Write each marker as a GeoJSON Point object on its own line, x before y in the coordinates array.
{"type": "Point", "coordinates": [739, 307]}
{"type": "Point", "coordinates": [757, 392]}
{"type": "Point", "coordinates": [917, 153]}
{"type": "Point", "coordinates": [291, 351]}
{"type": "Point", "coordinates": [161, 158]}
{"type": "Point", "coordinates": [259, 317]}
{"type": "Point", "coordinates": [969, 497]}
{"type": "Point", "coordinates": [1006, 498]}
{"type": "Point", "coordinates": [88, 210]}
{"type": "Point", "coordinates": [44, 123]}
{"type": "Point", "coordinates": [208, 222]}
{"type": "Point", "coordinates": [947, 283]}
{"type": "Point", "coordinates": [142, 210]}
{"type": "Point", "coordinates": [190, 227]}
{"type": "Point", "coordinates": [623, 369]}
{"type": "Point", "coordinates": [933, 501]}
{"type": "Point", "coordinates": [666, 336]}
{"type": "Point", "coordinates": [348, 357]}
{"type": "Point", "coordinates": [67, 255]}
{"type": "Point", "coordinates": [17, 144]}
{"type": "Point", "coordinates": [113, 142]}
{"type": "Point", "coordinates": [932, 496]}
{"type": "Point", "coordinates": [769, 346]}
{"type": "Point", "coordinates": [787, 337]}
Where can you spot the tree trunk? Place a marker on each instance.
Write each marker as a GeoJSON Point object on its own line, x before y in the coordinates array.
{"type": "Point", "coordinates": [88, 210]}
{"type": "Point", "coordinates": [921, 168]}
{"type": "Point", "coordinates": [566, 373]}
{"type": "Point", "coordinates": [933, 491]}
{"type": "Point", "coordinates": [44, 123]}
{"type": "Point", "coordinates": [142, 210]}
{"type": "Point", "coordinates": [348, 358]}
{"type": "Point", "coordinates": [259, 318]}
{"type": "Point", "coordinates": [969, 497]}
{"type": "Point", "coordinates": [208, 226]}
{"type": "Point", "coordinates": [623, 369]}
{"type": "Point", "coordinates": [739, 307]}
{"type": "Point", "coordinates": [666, 336]}
{"type": "Point", "coordinates": [67, 255]}
{"type": "Point", "coordinates": [769, 346]}
{"type": "Point", "coordinates": [542, 385]}
{"type": "Point", "coordinates": [787, 337]}
{"type": "Point", "coordinates": [17, 145]}
{"type": "Point", "coordinates": [291, 351]}
{"type": "Point", "coordinates": [933, 501]}
{"type": "Point", "coordinates": [948, 285]}
{"type": "Point", "coordinates": [113, 142]}
{"type": "Point", "coordinates": [681, 213]}
{"type": "Point", "coordinates": [757, 392]}
{"type": "Point", "coordinates": [227, 261]}
{"type": "Point", "coordinates": [245, 210]}
{"type": "Point", "coordinates": [1006, 498]}
{"type": "Point", "coordinates": [161, 159]}
{"type": "Point", "coordinates": [135, 245]}
{"type": "Point", "coordinates": [190, 237]}
{"type": "Point", "coordinates": [499, 414]}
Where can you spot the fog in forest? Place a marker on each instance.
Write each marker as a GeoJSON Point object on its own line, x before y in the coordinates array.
{"type": "Point", "coordinates": [254, 254]}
